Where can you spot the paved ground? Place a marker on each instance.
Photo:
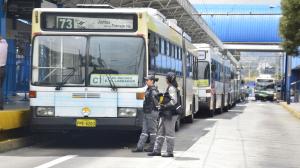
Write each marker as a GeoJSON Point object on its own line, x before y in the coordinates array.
{"type": "Point", "coordinates": [294, 106]}
{"type": "Point", "coordinates": [252, 135]}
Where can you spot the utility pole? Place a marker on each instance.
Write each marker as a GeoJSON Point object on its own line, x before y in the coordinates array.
{"type": "Point", "coordinates": [287, 78]}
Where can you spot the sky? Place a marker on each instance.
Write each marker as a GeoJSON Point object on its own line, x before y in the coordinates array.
{"type": "Point", "coordinates": [258, 2]}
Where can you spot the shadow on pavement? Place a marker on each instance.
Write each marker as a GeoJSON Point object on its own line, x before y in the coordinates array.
{"type": "Point", "coordinates": [107, 144]}
{"type": "Point", "coordinates": [233, 112]}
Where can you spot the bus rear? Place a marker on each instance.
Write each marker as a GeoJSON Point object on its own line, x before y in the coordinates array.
{"type": "Point", "coordinates": [87, 69]}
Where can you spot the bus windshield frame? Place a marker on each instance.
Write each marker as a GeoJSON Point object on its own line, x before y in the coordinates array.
{"type": "Point", "coordinates": [87, 69]}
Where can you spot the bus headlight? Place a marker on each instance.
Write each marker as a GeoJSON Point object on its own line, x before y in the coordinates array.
{"type": "Point", "coordinates": [45, 111]}
{"type": "Point", "coordinates": [127, 112]}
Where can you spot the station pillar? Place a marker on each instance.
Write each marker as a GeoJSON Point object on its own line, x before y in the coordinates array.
{"type": "Point", "coordinates": [3, 9]}
{"type": "Point", "coordinates": [287, 78]}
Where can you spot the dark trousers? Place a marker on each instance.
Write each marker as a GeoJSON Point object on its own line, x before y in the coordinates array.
{"type": "Point", "coordinates": [2, 76]}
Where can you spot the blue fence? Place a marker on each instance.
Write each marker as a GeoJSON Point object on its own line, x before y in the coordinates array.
{"type": "Point", "coordinates": [17, 71]}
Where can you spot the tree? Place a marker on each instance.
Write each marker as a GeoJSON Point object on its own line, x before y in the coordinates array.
{"type": "Point", "coordinates": [290, 26]}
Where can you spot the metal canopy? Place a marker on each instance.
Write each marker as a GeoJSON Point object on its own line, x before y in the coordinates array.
{"type": "Point", "coordinates": [254, 47]}
{"type": "Point", "coordinates": [181, 10]}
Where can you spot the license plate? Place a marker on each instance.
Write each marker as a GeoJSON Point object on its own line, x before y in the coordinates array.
{"type": "Point", "coordinates": [85, 123]}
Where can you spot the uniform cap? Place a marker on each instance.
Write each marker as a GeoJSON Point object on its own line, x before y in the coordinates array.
{"type": "Point", "coordinates": [151, 77]}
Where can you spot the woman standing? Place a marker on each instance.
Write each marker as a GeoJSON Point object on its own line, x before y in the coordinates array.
{"type": "Point", "coordinates": [150, 116]}
{"type": "Point", "coordinates": [168, 118]}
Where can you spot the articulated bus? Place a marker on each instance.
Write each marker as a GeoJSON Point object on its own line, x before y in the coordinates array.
{"type": "Point", "coordinates": [216, 83]}
{"type": "Point", "coordinates": [88, 66]}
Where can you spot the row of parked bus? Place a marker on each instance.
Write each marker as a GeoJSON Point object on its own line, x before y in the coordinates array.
{"type": "Point", "coordinates": [88, 67]}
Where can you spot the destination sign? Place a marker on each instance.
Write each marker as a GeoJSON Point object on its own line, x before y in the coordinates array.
{"type": "Point", "coordinates": [99, 22]}
{"type": "Point", "coordinates": [201, 55]}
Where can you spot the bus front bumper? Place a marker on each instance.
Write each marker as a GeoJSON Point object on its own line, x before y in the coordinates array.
{"type": "Point", "coordinates": [61, 124]}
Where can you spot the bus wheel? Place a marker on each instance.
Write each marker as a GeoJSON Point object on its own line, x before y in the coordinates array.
{"type": "Point", "coordinates": [212, 112]}
{"type": "Point", "coordinates": [177, 124]}
{"type": "Point", "coordinates": [190, 118]}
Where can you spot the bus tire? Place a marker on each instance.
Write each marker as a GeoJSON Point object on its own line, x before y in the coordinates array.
{"type": "Point", "coordinates": [177, 124]}
{"type": "Point", "coordinates": [222, 104]}
{"type": "Point", "coordinates": [190, 118]}
{"type": "Point", "coordinates": [211, 113]}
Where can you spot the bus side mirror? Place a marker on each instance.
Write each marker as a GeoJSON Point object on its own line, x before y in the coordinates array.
{"type": "Point", "coordinates": [213, 67]}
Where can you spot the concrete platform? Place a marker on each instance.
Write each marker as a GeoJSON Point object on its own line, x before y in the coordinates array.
{"type": "Point", "coordinates": [293, 108]}
{"type": "Point", "coordinates": [15, 113]}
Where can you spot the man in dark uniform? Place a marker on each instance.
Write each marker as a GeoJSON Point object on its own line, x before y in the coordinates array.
{"type": "Point", "coordinates": [150, 116]}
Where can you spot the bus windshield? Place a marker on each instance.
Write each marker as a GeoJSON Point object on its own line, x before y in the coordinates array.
{"type": "Point", "coordinates": [265, 84]}
{"type": "Point", "coordinates": [111, 59]}
{"type": "Point", "coordinates": [204, 73]}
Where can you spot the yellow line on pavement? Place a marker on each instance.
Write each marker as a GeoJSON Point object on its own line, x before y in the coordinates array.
{"type": "Point", "coordinates": [12, 119]}
{"type": "Point", "coordinates": [291, 110]}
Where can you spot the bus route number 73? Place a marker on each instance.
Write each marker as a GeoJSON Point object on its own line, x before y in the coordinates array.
{"type": "Point", "coordinates": [65, 23]}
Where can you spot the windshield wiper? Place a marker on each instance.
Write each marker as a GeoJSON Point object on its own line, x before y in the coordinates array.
{"type": "Point", "coordinates": [65, 80]}
{"type": "Point", "coordinates": [111, 82]}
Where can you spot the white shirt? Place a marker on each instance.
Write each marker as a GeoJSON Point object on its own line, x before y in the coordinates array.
{"type": "Point", "coordinates": [3, 52]}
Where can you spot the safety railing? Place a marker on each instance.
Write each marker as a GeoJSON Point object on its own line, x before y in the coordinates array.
{"type": "Point", "coordinates": [17, 71]}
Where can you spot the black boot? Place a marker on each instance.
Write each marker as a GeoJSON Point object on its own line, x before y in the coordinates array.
{"type": "Point", "coordinates": [148, 149]}
{"type": "Point", "coordinates": [154, 154]}
{"type": "Point", "coordinates": [137, 150]}
{"type": "Point", "coordinates": [167, 155]}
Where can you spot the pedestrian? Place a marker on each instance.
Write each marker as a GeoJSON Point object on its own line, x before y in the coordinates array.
{"type": "Point", "coordinates": [150, 118]}
{"type": "Point", "coordinates": [168, 118]}
{"type": "Point", "coordinates": [3, 57]}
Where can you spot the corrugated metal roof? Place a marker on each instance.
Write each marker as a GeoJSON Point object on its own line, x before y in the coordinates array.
{"type": "Point", "coordinates": [245, 28]}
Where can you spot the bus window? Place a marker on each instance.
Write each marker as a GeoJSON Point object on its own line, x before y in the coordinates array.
{"type": "Point", "coordinates": [173, 59]}
{"type": "Point", "coordinates": [120, 57]}
{"type": "Point", "coordinates": [153, 51]}
{"type": "Point", "coordinates": [61, 59]}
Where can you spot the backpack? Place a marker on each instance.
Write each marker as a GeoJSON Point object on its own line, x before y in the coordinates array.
{"type": "Point", "coordinates": [177, 108]}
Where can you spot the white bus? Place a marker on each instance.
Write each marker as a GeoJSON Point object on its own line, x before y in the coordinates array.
{"type": "Point", "coordinates": [265, 87]}
{"type": "Point", "coordinates": [216, 81]}
{"type": "Point", "coordinates": [88, 66]}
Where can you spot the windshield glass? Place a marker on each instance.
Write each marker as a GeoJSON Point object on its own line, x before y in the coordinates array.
{"type": "Point", "coordinates": [58, 58]}
{"type": "Point", "coordinates": [265, 86]}
{"type": "Point", "coordinates": [116, 60]}
{"type": "Point", "coordinates": [112, 61]}
{"type": "Point", "coordinates": [203, 75]}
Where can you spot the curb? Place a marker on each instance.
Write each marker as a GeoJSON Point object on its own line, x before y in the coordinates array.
{"type": "Point", "coordinates": [11, 144]}
{"type": "Point", "coordinates": [291, 110]}
{"type": "Point", "coordinates": [12, 119]}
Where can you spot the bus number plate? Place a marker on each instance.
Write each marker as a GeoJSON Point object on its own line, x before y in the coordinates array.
{"type": "Point", "coordinates": [85, 123]}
